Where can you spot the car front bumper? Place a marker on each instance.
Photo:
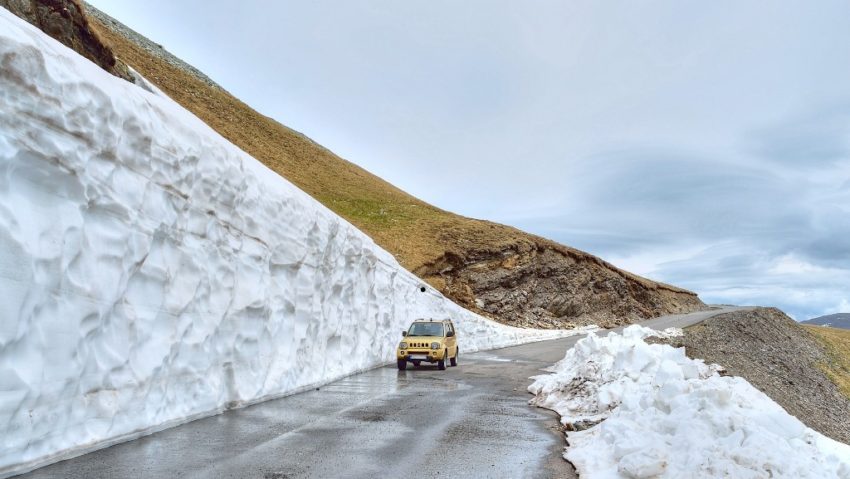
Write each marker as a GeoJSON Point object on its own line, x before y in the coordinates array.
{"type": "Point", "coordinates": [430, 355]}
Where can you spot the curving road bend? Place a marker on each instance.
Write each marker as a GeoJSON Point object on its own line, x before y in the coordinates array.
{"type": "Point", "coordinates": [469, 421]}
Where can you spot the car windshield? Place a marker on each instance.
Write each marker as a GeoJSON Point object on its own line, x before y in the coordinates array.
{"type": "Point", "coordinates": [426, 329]}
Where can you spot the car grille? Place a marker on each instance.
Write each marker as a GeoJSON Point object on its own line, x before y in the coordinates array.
{"type": "Point", "coordinates": [418, 345]}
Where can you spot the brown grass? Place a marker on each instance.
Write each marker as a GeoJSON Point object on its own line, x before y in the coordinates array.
{"type": "Point", "coordinates": [396, 220]}
{"type": "Point", "coordinates": [414, 231]}
{"type": "Point", "coordinates": [837, 344]}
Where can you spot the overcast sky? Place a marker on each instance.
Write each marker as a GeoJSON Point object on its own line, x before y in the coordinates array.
{"type": "Point", "coordinates": [705, 144]}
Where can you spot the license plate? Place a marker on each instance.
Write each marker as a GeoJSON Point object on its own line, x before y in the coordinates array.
{"type": "Point", "coordinates": [418, 356]}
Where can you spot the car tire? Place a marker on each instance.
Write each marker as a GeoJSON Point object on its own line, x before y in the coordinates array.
{"type": "Point", "coordinates": [441, 364]}
{"type": "Point", "coordinates": [402, 364]}
{"type": "Point", "coordinates": [454, 359]}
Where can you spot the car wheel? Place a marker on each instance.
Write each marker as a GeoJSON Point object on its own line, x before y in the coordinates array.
{"type": "Point", "coordinates": [441, 364]}
{"type": "Point", "coordinates": [402, 364]}
{"type": "Point", "coordinates": [454, 359]}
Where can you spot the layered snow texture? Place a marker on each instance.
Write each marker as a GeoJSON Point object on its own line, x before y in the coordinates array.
{"type": "Point", "coordinates": [665, 415]}
{"type": "Point", "coordinates": [152, 273]}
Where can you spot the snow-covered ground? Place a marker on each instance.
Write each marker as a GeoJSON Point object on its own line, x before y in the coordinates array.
{"type": "Point", "coordinates": [152, 273]}
{"type": "Point", "coordinates": [665, 415]}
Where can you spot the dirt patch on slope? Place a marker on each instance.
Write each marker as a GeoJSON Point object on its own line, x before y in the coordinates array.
{"type": "Point", "coordinates": [66, 21]}
{"type": "Point", "coordinates": [779, 357]}
{"type": "Point", "coordinates": [496, 270]}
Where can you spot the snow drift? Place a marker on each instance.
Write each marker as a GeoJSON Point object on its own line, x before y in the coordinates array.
{"type": "Point", "coordinates": [666, 415]}
{"type": "Point", "coordinates": [153, 273]}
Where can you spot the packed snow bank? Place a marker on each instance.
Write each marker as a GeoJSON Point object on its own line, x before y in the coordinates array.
{"type": "Point", "coordinates": [666, 415]}
{"type": "Point", "coordinates": [151, 272]}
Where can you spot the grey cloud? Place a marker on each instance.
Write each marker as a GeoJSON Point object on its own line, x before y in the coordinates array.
{"type": "Point", "coordinates": [828, 242]}
{"type": "Point", "coordinates": [807, 142]}
{"type": "Point", "coordinates": [656, 194]}
{"type": "Point", "coordinates": [741, 274]}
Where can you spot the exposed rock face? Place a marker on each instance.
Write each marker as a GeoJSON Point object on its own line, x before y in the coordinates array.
{"type": "Point", "coordinates": [776, 355]}
{"type": "Point", "coordinates": [545, 285]}
{"type": "Point", "coordinates": [65, 21]}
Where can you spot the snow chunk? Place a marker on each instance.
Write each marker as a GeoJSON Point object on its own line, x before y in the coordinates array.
{"type": "Point", "coordinates": [665, 415]}
{"type": "Point", "coordinates": [668, 333]}
{"type": "Point", "coordinates": [153, 273]}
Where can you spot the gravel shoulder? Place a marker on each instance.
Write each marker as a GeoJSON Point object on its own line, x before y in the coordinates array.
{"type": "Point", "coordinates": [780, 358]}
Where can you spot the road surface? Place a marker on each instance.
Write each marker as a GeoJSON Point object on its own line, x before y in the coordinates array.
{"type": "Point", "coordinates": [469, 421]}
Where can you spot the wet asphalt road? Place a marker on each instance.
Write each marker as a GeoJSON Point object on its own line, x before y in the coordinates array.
{"type": "Point", "coordinates": [468, 421]}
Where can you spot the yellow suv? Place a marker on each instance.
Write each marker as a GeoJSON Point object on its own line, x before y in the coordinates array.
{"type": "Point", "coordinates": [429, 341]}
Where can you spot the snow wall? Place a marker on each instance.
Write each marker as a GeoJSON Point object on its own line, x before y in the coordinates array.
{"type": "Point", "coordinates": [152, 273]}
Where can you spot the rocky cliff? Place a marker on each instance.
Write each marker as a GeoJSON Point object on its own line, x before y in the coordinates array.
{"type": "Point", "coordinates": [534, 282]}
{"type": "Point", "coordinates": [66, 21]}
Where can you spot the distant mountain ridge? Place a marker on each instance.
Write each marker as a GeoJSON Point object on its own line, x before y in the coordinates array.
{"type": "Point", "coordinates": [838, 320]}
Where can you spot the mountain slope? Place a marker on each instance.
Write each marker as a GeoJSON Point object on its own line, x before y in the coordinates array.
{"type": "Point", "coordinates": [496, 270]}
{"type": "Point", "coordinates": [839, 320]}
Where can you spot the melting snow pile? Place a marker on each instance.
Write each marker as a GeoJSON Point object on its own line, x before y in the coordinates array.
{"type": "Point", "coordinates": [152, 273]}
{"type": "Point", "coordinates": [665, 415]}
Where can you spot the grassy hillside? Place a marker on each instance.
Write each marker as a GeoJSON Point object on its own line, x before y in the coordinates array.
{"type": "Point", "coordinates": [451, 252]}
{"type": "Point", "coordinates": [836, 342]}
{"type": "Point", "coordinates": [494, 269]}
{"type": "Point", "coordinates": [405, 225]}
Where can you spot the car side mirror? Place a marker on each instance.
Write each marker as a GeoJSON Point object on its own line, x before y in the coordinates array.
{"type": "Point", "coordinates": [404, 333]}
{"type": "Point", "coordinates": [450, 334]}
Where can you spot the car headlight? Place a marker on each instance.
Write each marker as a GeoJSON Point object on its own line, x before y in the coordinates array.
{"type": "Point", "coordinates": [435, 345]}
{"type": "Point", "coordinates": [402, 345]}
